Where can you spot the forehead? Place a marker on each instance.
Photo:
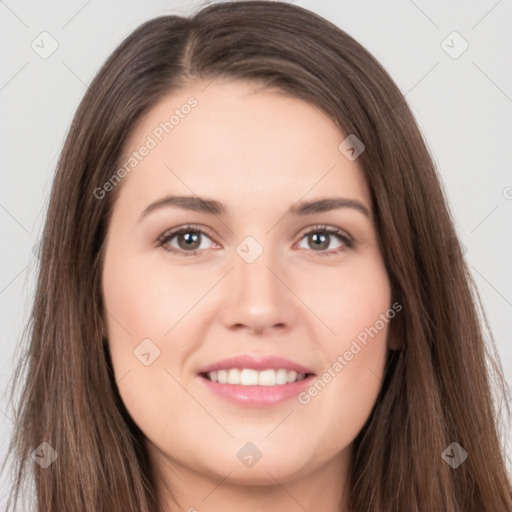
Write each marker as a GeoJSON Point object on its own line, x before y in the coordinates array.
{"type": "Point", "coordinates": [235, 140]}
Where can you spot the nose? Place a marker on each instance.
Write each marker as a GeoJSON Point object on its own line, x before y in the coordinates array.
{"type": "Point", "coordinates": [258, 298]}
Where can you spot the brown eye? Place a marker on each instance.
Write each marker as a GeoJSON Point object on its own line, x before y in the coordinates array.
{"type": "Point", "coordinates": [189, 240]}
{"type": "Point", "coordinates": [185, 241]}
{"type": "Point", "coordinates": [319, 240]}
{"type": "Point", "coordinates": [326, 241]}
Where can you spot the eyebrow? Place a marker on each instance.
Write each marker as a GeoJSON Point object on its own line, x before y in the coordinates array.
{"type": "Point", "coordinates": [210, 206]}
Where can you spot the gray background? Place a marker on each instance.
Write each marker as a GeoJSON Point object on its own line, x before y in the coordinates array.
{"type": "Point", "coordinates": [463, 106]}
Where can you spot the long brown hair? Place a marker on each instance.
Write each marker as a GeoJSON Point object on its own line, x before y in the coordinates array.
{"type": "Point", "coordinates": [441, 383]}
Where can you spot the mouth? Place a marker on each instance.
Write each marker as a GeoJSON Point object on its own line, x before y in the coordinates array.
{"type": "Point", "coordinates": [256, 381]}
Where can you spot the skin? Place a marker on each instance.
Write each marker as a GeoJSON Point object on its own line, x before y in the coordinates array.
{"type": "Point", "coordinates": [258, 152]}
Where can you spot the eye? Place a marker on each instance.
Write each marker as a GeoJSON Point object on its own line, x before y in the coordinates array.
{"type": "Point", "coordinates": [321, 238]}
{"type": "Point", "coordinates": [185, 240]}
{"type": "Point", "coordinates": [189, 240]}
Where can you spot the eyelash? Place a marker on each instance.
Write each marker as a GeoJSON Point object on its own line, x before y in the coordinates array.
{"type": "Point", "coordinates": [347, 241]}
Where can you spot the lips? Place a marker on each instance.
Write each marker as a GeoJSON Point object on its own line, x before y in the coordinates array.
{"type": "Point", "coordinates": [256, 381]}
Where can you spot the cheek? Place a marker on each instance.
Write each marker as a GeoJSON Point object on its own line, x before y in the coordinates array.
{"type": "Point", "coordinates": [348, 299]}
{"type": "Point", "coordinates": [356, 305]}
{"type": "Point", "coordinates": [148, 294]}
{"type": "Point", "coordinates": [148, 311]}
{"type": "Point", "coordinates": [345, 393]}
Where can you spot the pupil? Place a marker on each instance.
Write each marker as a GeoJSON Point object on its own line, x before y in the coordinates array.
{"type": "Point", "coordinates": [322, 239]}
{"type": "Point", "coordinates": [190, 239]}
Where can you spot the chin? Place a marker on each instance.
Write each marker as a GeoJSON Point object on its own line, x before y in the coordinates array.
{"type": "Point", "coordinates": [283, 464]}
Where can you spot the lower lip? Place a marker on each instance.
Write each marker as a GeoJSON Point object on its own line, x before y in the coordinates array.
{"type": "Point", "coordinates": [258, 395]}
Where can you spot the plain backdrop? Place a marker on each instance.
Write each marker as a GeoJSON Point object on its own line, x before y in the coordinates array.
{"type": "Point", "coordinates": [451, 60]}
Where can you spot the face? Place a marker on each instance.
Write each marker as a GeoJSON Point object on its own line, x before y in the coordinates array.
{"type": "Point", "coordinates": [280, 297]}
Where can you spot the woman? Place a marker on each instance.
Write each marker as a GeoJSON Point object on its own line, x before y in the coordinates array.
{"type": "Point", "coordinates": [251, 292]}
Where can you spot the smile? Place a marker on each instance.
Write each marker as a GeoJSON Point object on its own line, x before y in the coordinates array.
{"type": "Point", "coordinates": [251, 377]}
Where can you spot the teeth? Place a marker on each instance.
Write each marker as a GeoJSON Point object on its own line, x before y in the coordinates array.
{"type": "Point", "coordinates": [267, 378]}
{"type": "Point", "coordinates": [233, 376]}
{"type": "Point", "coordinates": [281, 376]}
{"type": "Point", "coordinates": [292, 376]}
{"type": "Point", "coordinates": [250, 377]}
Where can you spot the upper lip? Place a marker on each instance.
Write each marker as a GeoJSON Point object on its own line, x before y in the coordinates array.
{"type": "Point", "coordinates": [256, 363]}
